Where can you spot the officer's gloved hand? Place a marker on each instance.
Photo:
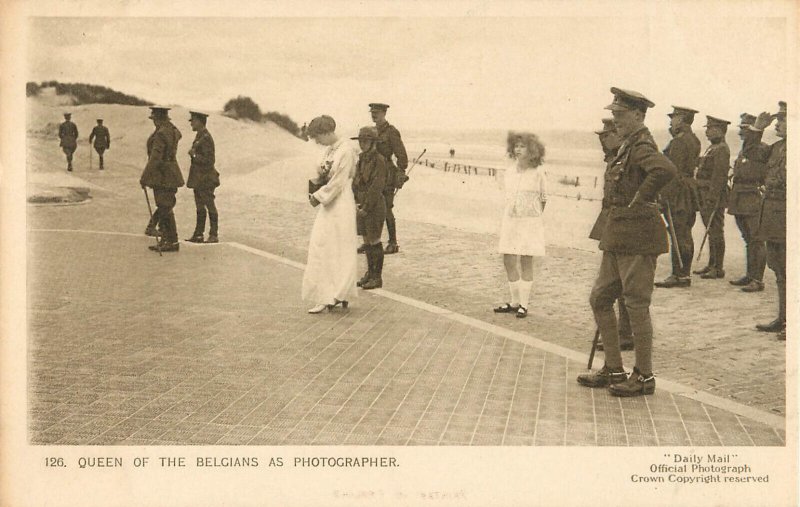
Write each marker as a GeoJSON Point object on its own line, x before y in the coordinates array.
{"type": "Point", "coordinates": [763, 121]}
{"type": "Point", "coordinates": [400, 179]}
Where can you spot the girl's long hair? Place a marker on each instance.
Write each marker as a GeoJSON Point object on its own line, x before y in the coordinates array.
{"type": "Point", "coordinates": [535, 146]}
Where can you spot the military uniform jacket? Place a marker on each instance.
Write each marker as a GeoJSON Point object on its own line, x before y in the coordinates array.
{"type": "Point", "coordinates": [749, 171]}
{"type": "Point", "coordinates": [370, 180]}
{"type": "Point", "coordinates": [68, 134]}
{"type": "Point", "coordinates": [638, 171]}
{"type": "Point", "coordinates": [202, 174]}
{"type": "Point", "coordinates": [712, 177]}
{"type": "Point", "coordinates": [602, 219]}
{"type": "Point", "coordinates": [101, 137]}
{"type": "Point", "coordinates": [162, 167]}
{"type": "Point", "coordinates": [390, 143]}
{"type": "Point", "coordinates": [683, 151]}
{"type": "Point", "coordinates": [772, 225]}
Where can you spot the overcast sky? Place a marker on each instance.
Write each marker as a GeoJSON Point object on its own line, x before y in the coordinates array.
{"type": "Point", "coordinates": [512, 72]}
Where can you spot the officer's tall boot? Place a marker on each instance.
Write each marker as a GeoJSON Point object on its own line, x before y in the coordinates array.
{"type": "Point", "coordinates": [200, 227]}
{"type": "Point", "coordinates": [369, 251]}
{"type": "Point", "coordinates": [213, 233]}
{"type": "Point", "coordinates": [391, 228]}
{"type": "Point", "coordinates": [170, 230]}
{"type": "Point", "coordinates": [101, 162]}
{"type": "Point", "coordinates": [151, 225]}
{"type": "Point", "coordinates": [779, 324]}
{"type": "Point", "coordinates": [375, 281]}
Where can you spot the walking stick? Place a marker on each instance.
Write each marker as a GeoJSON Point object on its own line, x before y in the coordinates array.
{"type": "Point", "coordinates": [150, 209]}
{"type": "Point", "coordinates": [708, 228]}
{"type": "Point", "coordinates": [90, 156]}
{"type": "Point", "coordinates": [673, 235]}
{"type": "Point", "coordinates": [594, 348]}
{"type": "Point", "coordinates": [414, 162]}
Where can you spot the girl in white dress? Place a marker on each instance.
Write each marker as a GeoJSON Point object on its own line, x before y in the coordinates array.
{"type": "Point", "coordinates": [330, 275]}
{"type": "Point", "coordinates": [522, 229]}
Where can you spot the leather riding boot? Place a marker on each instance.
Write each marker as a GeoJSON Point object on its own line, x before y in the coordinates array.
{"type": "Point", "coordinates": [213, 235]}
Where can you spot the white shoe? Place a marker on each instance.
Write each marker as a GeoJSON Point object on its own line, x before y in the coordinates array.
{"type": "Point", "coordinates": [318, 309]}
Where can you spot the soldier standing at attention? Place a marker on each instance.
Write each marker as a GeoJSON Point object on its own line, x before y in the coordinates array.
{"type": "Point", "coordinates": [712, 186]}
{"type": "Point", "coordinates": [164, 176]}
{"type": "Point", "coordinates": [610, 142]}
{"type": "Point", "coordinates": [677, 197]}
{"type": "Point", "coordinates": [68, 134]}
{"type": "Point", "coordinates": [203, 178]}
{"type": "Point", "coordinates": [390, 144]}
{"type": "Point", "coordinates": [368, 185]}
{"type": "Point", "coordinates": [772, 226]}
{"type": "Point", "coordinates": [631, 241]}
{"type": "Point", "coordinates": [749, 171]}
{"type": "Point", "coordinates": [102, 139]}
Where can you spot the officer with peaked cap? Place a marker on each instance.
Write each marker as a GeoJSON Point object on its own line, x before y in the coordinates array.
{"type": "Point", "coordinates": [632, 239]}
{"type": "Point", "coordinates": [390, 144]}
{"type": "Point", "coordinates": [203, 178]}
{"type": "Point", "coordinates": [368, 185]}
{"type": "Point", "coordinates": [712, 190]}
{"type": "Point", "coordinates": [68, 136]}
{"type": "Point", "coordinates": [102, 139]}
{"type": "Point", "coordinates": [164, 176]}
{"type": "Point", "coordinates": [772, 226]}
{"type": "Point", "coordinates": [677, 197]}
{"type": "Point", "coordinates": [610, 143]}
{"type": "Point", "coordinates": [744, 203]}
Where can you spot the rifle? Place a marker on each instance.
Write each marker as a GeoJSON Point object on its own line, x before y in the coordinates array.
{"type": "Point", "coordinates": [413, 163]}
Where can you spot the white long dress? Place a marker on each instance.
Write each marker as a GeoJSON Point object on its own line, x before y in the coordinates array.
{"type": "Point", "coordinates": [332, 259]}
{"type": "Point", "coordinates": [522, 229]}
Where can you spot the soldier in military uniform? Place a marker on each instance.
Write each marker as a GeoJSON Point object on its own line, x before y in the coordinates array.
{"type": "Point", "coordinates": [632, 239]}
{"type": "Point", "coordinates": [772, 225]}
{"type": "Point", "coordinates": [68, 135]}
{"type": "Point", "coordinates": [203, 178]}
{"type": "Point", "coordinates": [390, 144]}
{"type": "Point", "coordinates": [712, 187]}
{"type": "Point", "coordinates": [610, 142]}
{"type": "Point", "coordinates": [163, 175]}
{"type": "Point", "coordinates": [368, 185]}
{"type": "Point", "coordinates": [749, 171]}
{"type": "Point", "coordinates": [678, 203]}
{"type": "Point", "coordinates": [102, 139]}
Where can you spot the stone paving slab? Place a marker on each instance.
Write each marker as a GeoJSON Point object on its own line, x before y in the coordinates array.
{"type": "Point", "coordinates": [212, 345]}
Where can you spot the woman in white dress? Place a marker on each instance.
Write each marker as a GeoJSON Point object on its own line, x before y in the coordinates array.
{"type": "Point", "coordinates": [330, 275]}
{"type": "Point", "coordinates": [522, 229]}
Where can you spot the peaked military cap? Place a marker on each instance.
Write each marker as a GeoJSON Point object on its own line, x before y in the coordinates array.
{"type": "Point", "coordinates": [627, 100]}
{"type": "Point", "coordinates": [197, 114]}
{"type": "Point", "coordinates": [321, 125]}
{"type": "Point", "coordinates": [378, 106]}
{"type": "Point", "coordinates": [683, 111]}
{"type": "Point", "coordinates": [608, 126]}
{"type": "Point", "coordinates": [367, 133]}
{"type": "Point", "coordinates": [99, 119]}
{"type": "Point", "coordinates": [716, 122]}
{"type": "Point", "coordinates": [747, 120]}
{"type": "Point", "coordinates": [158, 112]}
{"type": "Point", "coordinates": [67, 115]}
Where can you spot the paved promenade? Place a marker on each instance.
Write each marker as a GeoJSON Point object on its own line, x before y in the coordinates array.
{"type": "Point", "coordinates": [212, 345]}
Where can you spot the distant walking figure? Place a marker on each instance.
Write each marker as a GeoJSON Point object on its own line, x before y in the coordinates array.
{"type": "Point", "coordinates": [101, 138]}
{"type": "Point", "coordinates": [330, 275]}
{"type": "Point", "coordinates": [68, 135]}
{"type": "Point", "coordinates": [522, 230]}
